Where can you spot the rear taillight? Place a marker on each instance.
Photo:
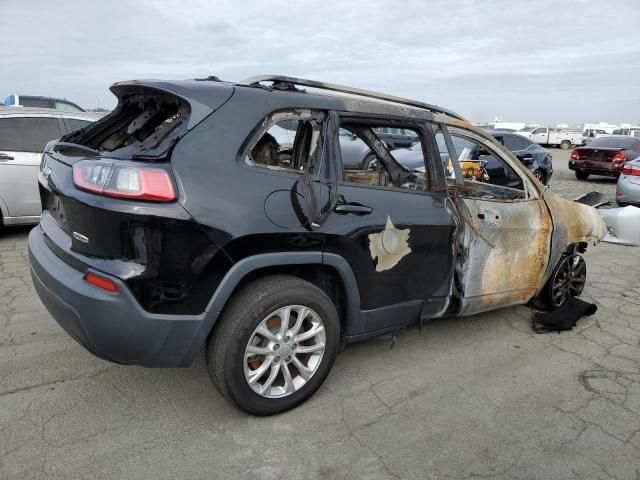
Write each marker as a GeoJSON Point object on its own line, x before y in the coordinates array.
{"type": "Point", "coordinates": [123, 180]}
{"type": "Point", "coordinates": [575, 155]}
{"type": "Point", "coordinates": [631, 170]}
{"type": "Point", "coordinates": [619, 158]}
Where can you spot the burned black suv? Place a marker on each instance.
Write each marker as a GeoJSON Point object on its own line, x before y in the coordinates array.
{"type": "Point", "coordinates": [216, 215]}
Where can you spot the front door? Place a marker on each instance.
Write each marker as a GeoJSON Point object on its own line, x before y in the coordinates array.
{"type": "Point", "coordinates": [506, 240]}
{"type": "Point", "coordinates": [395, 229]}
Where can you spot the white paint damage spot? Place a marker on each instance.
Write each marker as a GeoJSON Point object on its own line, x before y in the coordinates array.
{"type": "Point", "coordinates": [389, 246]}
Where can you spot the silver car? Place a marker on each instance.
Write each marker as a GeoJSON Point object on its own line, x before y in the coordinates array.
{"type": "Point", "coordinates": [628, 189]}
{"type": "Point", "coordinates": [24, 132]}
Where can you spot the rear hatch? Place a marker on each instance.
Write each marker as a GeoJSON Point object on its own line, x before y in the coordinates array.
{"type": "Point", "coordinates": [109, 195]}
{"type": "Point", "coordinates": [149, 120]}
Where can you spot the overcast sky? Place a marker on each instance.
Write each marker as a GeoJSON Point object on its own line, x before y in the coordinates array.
{"type": "Point", "coordinates": [540, 61]}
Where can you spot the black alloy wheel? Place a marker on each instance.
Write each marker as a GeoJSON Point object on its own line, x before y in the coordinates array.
{"type": "Point", "coordinates": [567, 280]}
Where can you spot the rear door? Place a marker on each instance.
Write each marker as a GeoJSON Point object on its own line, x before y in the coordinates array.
{"type": "Point", "coordinates": [397, 235]}
{"type": "Point", "coordinates": [22, 140]}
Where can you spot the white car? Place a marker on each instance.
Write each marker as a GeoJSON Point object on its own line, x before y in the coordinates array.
{"type": "Point", "coordinates": [24, 132]}
{"type": "Point", "coordinates": [42, 102]}
{"type": "Point", "coordinates": [565, 139]}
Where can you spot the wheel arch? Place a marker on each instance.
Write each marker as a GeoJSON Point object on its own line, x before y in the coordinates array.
{"type": "Point", "coordinates": [574, 224]}
{"type": "Point", "coordinates": [330, 272]}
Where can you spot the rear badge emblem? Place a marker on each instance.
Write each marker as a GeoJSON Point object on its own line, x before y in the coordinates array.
{"type": "Point", "coordinates": [80, 237]}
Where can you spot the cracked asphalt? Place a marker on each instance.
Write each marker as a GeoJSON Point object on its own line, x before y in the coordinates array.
{"type": "Point", "coordinates": [468, 397]}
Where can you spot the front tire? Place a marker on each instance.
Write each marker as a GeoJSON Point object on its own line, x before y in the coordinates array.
{"type": "Point", "coordinates": [567, 280]}
{"type": "Point", "coordinates": [274, 344]}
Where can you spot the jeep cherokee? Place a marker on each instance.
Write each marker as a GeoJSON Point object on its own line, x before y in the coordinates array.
{"type": "Point", "coordinates": [218, 215]}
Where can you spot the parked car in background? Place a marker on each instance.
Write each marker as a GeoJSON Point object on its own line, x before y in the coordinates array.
{"type": "Point", "coordinates": [186, 232]}
{"type": "Point", "coordinates": [604, 156]}
{"type": "Point", "coordinates": [24, 132]}
{"type": "Point", "coordinates": [41, 102]}
{"type": "Point", "coordinates": [355, 153]}
{"type": "Point", "coordinates": [633, 131]}
{"type": "Point", "coordinates": [396, 137]}
{"type": "Point", "coordinates": [565, 139]}
{"type": "Point", "coordinates": [628, 188]}
{"type": "Point", "coordinates": [591, 131]}
{"type": "Point", "coordinates": [590, 134]}
{"type": "Point", "coordinates": [507, 126]}
{"type": "Point", "coordinates": [531, 155]}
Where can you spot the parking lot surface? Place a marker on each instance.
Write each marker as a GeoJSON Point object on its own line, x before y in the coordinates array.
{"type": "Point", "coordinates": [481, 396]}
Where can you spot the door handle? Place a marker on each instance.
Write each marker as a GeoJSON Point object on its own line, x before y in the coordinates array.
{"type": "Point", "coordinates": [352, 208]}
{"type": "Point", "coordinates": [4, 156]}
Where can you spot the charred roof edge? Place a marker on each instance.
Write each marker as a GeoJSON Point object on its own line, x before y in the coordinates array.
{"type": "Point", "coordinates": [255, 81]}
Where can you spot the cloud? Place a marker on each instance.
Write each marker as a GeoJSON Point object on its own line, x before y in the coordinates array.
{"type": "Point", "coordinates": [546, 61]}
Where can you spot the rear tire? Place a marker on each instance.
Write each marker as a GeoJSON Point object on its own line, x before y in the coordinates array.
{"type": "Point", "coordinates": [565, 145]}
{"type": "Point", "coordinates": [253, 322]}
{"type": "Point", "coordinates": [581, 175]}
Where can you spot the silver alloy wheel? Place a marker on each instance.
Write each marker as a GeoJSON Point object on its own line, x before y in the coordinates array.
{"type": "Point", "coordinates": [284, 351]}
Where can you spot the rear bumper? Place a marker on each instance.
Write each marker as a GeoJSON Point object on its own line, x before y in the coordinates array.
{"type": "Point", "coordinates": [597, 168]}
{"type": "Point", "coordinates": [111, 326]}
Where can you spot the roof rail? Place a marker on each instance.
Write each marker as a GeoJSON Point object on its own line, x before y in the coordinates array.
{"type": "Point", "coordinates": [350, 90]}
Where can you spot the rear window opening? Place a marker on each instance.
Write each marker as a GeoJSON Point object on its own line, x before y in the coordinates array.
{"type": "Point", "coordinates": [289, 144]}
{"type": "Point", "coordinates": [143, 125]}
